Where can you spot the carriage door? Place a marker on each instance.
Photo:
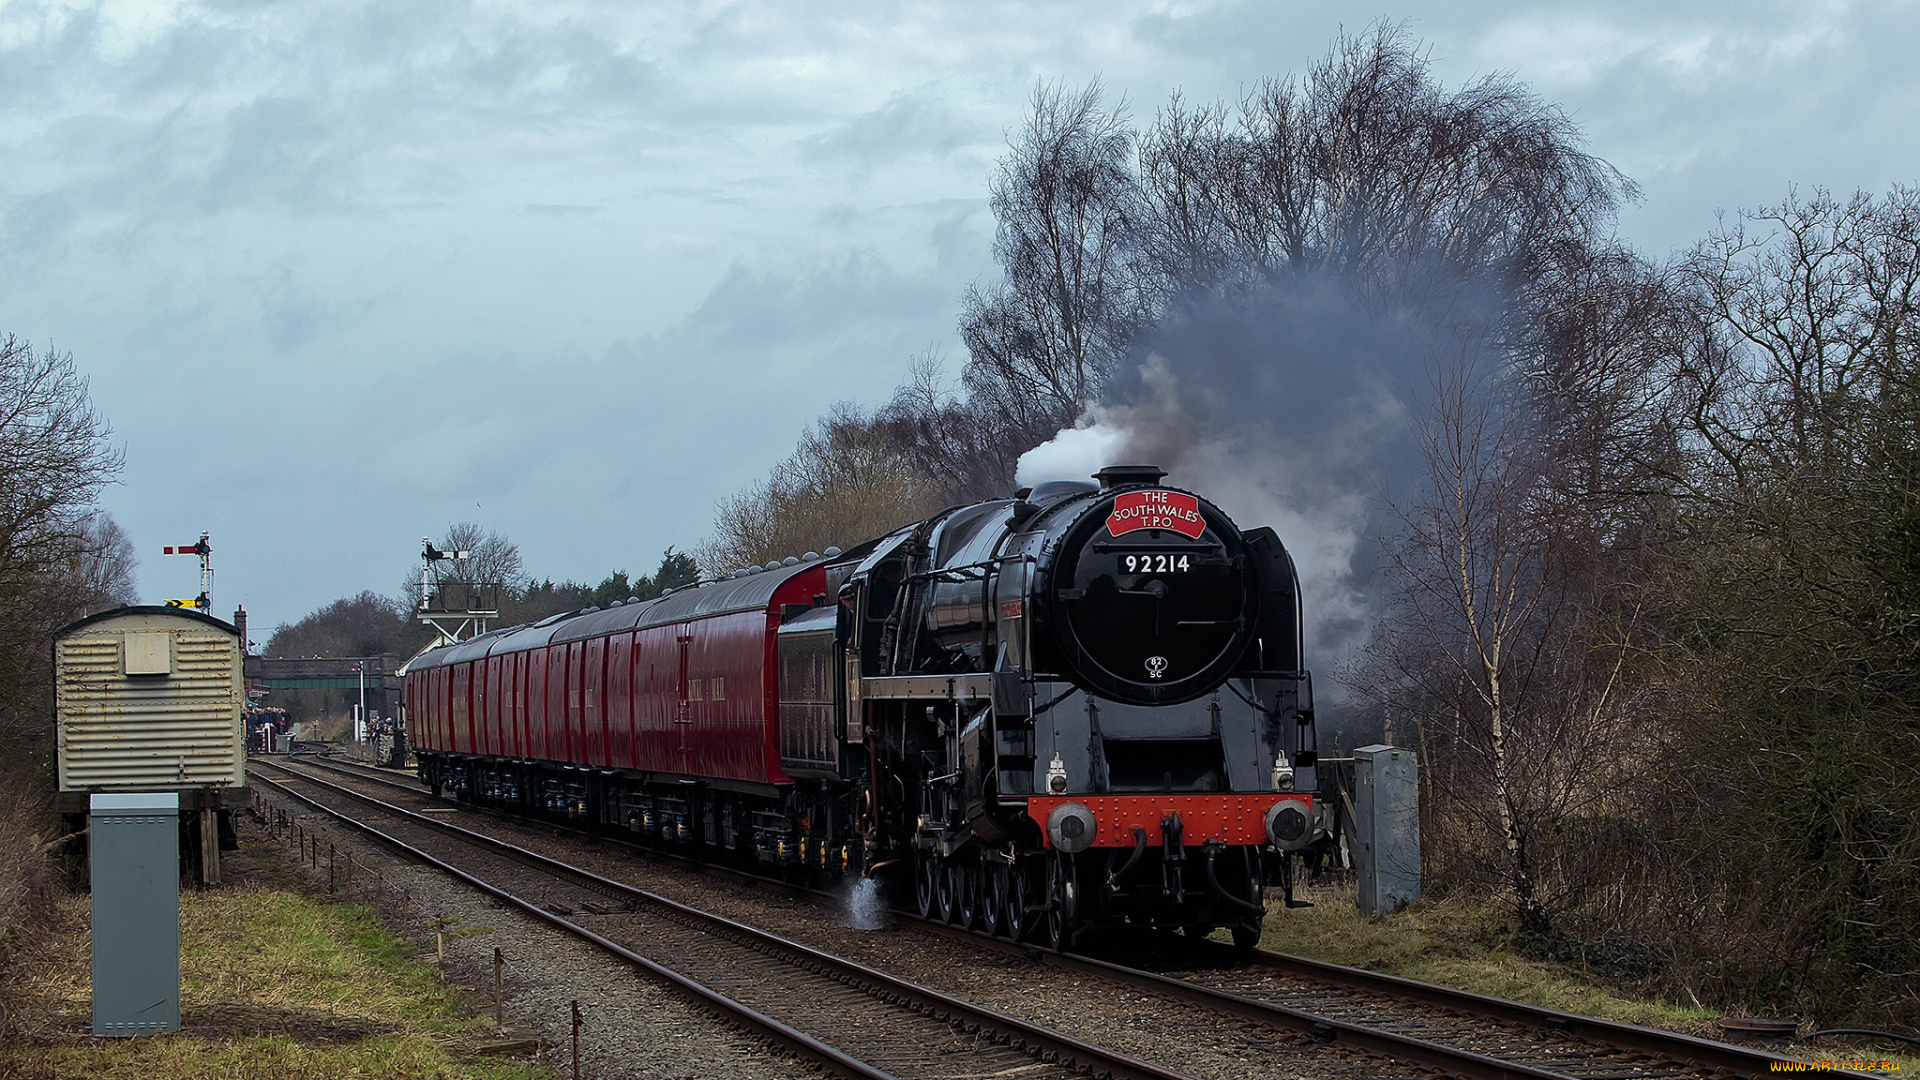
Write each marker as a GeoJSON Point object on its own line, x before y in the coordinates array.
{"type": "Point", "coordinates": [683, 707]}
{"type": "Point", "coordinates": [593, 702]}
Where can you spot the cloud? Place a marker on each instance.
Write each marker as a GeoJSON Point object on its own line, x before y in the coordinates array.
{"type": "Point", "coordinates": [562, 209]}
{"type": "Point", "coordinates": [912, 123]}
{"type": "Point", "coordinates": [616, 455]}
{"type": "Point", "coordinates": [594, 264]}
{"type": "Point", "coordinates": [1693, 47]}
{"type": "Point", "coordinates": [1720, 106]}
{"type": "Point", "coordinates": [589, 459]}
{"type": "Point", "coordinates": [278, 150]}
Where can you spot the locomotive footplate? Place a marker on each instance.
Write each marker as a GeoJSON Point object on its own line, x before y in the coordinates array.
{"type": "Point", "coordinates": [1232, 819]}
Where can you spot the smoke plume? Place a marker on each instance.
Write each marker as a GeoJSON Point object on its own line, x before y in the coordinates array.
{"type": "Point", "coordinates": [1287, 406]}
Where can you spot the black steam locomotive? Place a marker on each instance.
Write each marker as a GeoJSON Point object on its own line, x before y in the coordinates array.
{"type": "Point", "coordinates": [1080, 708]}
{"type": "Point", "coordinates": [1085, 707]}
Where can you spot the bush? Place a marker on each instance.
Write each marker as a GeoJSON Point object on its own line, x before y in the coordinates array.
{"type": "Point", "coordinates": [27, 881]}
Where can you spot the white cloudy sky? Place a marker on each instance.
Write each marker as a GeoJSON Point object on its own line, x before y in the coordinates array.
{"type": "Point", "coordinates": [342, 273]}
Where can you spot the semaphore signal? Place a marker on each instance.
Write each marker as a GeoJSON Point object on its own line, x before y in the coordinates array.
{"type": "Point", "coordinates": [478, 601]}
{"type": "Point", "coordinates": [203, 602]}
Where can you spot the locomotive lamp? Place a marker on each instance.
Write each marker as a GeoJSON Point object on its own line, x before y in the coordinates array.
{"type": "Point", "coordinates": [1282, 775]}
{"type": "Point", "coordinates": [1057, 776]}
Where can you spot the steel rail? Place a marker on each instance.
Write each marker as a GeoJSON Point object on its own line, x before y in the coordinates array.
{"type": "Point", "coordinates": [1042, 1043]}
{"type": "Point", "coordinates": [825, 1055]}
{"type": "Point", "coordinates": [1450, 1059]}
{"type": "Point", "coordinates": [1686, 1051]}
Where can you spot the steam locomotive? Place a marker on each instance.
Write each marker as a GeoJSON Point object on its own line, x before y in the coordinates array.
{"type": "Point", "coordinates": [1080, 708]}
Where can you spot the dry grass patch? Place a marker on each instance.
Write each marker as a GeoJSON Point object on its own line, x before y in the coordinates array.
{"type": "Point", "coordinates": [1460, 942]}
{"type": "Point", "coordinates": [273, 984]}
{"type": "Point", "coordinates": [1455, 941]}
{"type": "Point", "coordinates": [27, 889]}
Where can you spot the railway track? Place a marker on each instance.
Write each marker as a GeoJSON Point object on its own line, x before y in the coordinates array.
{"type": "Point", "coordinates": [849, 1019]}
{"type": "Point", "coordinates": [1420, 1023]}
{"type": "Point", "coordinates": [1408, 1019]}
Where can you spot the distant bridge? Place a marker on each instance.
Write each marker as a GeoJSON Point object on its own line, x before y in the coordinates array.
{"type": "Point", "coordinates": [384, 688]}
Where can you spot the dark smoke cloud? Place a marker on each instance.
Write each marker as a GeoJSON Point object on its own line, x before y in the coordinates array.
{"type": "Point", "coordinates": [1289, 406]}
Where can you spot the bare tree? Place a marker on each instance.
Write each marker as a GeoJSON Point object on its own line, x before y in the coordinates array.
{"type": "Point", "coordinates": [1043, 340]}
{"type": "Point", "coordinates": [1369, 171]}
{"type": "Point", "coordinates": [54, 459]}
{"type": "Point", "coordinates": [1504, 646]}
{"type": "Point", "coordinates": [101, 564]}
{"type": "Point", "coordinates": [963, 448]}
{"type": "Point", "coordinates": [1816, 302]}
{"type": "Point", "coordinates": [1473, 207]}
{"type": "Point", "coordinates": [1790, 602]}
{"type": "Point", "coordinates": [491, 559]}
{"type": "Point", "coordinates": [59, 559]}
{"type": "Point", "coordinates": [846, 482]}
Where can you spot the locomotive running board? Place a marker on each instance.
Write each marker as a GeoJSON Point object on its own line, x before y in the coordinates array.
{"type": "Point", "coordinates": [974, 687]}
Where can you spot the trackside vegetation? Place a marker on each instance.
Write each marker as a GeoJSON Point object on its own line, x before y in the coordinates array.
{"type": "Point", "coordinates": [274, 983]}
{"type": "Point", "coordinates": [1472, 942]}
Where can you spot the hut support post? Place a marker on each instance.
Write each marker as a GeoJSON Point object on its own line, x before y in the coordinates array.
{"type": "Point", "coordinates": [209, 837]}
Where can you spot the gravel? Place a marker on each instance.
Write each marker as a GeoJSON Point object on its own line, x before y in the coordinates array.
{"type": "Point", "coordinates": [631, 1025]}
{"type": "Point", "coordinates": [1118, 1016]}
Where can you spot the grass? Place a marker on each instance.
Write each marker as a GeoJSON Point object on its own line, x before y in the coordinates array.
{"type": "Point", "coordinates": [1467, 944]}
{"type": "Point", "coordinates": [1457, 942]}
{"type": "Point", "coordinates": [274, 983]}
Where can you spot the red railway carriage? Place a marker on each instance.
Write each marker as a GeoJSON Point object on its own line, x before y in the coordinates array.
{"type": "Point", "coordinates": [683, 688]}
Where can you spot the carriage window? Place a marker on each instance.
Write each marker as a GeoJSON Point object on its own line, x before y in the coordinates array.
{"type": "Point", "coordinates": [806, 697]}
{"type": "Point", "coordinates": [719, 688]}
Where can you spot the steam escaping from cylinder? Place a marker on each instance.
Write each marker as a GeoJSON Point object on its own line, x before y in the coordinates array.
{"type": "Point", "coordinates": [1288, 406]}
{"type": "Point", "coordinates": [863, 904]}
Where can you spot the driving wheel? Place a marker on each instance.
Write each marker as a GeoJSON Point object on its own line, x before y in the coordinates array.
{"type": "Point", "coordinates": [925, 888]}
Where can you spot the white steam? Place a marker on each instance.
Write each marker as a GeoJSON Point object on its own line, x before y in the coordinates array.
{"type": "Point", "coordinates": [1074, 454]}
{"type": "Point", "coordinates": [863, 904]}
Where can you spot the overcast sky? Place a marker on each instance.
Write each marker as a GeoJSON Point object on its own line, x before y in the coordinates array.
{"type": "Point", "coordinates": [342, 273]}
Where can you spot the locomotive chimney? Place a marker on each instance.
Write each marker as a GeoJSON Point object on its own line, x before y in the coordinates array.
{"type": "Point", "coordinates": [1114, 476]}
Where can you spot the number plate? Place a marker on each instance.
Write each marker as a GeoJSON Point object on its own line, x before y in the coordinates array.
{"type": "Point", "coordinates": [1155, 562]}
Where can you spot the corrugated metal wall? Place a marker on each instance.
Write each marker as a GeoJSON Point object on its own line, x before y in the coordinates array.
{"type": "Point", "coordinates": [147, 732]}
